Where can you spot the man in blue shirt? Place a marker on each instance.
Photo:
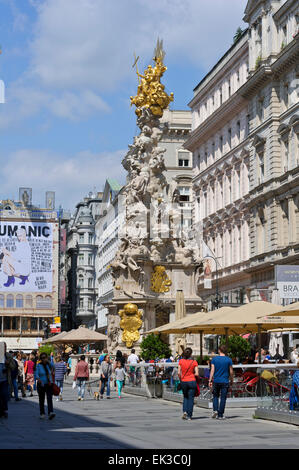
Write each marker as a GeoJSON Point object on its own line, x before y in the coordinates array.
{"type": "Point", "coordinates": [220, 376]}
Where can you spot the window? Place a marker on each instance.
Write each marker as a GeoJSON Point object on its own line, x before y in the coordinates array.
{"type": "Point", "coordinates": [261, 168]}
{"type": "Point", "coordinates": [81, 238]}
{"type": "Point", "coordinates": [28, 301]}
{"type": "Point", "coordinates": [229, 137]}
{"type": "Point", "coordinates": [221, 144]}
{"type": "Point", "coordinates": [15, 323]}
{"type": "Point", "coordinates": [24, 324]}
{"type": "Point", "coordinates": [90, 303]}
{"type": "Point", "coordinates": [213, 150]}
{"type": "Point", "coordinates": [184, 193]}
{"type": "Point", "coordinates": [90, 238]}
{"type": "Point", "coordinates": [90, 258]}
{"type": "Point", "coordinates": [285, 154]}
{"type": "Point", "coordinates": [19, 301]}
{"type": "Point", "coordinates": [1, 300]}
{"type": "Point", "coordinates": [10, 301]}
{"type": "Point", "coordinates": [238, 130]}
{"type": "Point", "coordinates": [6, 323]}
{"type": "Point", "coordinates": [80, 259]}
{"type": "Point", "coordinates": [90, 282]}
{"type": "Point", "coordinates": [220, 96]}
{"type": "Point", "coordinates": [33, 324]}
{"type": "Point", "coordinates": [183, 162]}
{"type": "Point", "coordinates": [80, 281]}
{"type": "Point", "coordinates": [81, 302]}
{"type": "Point", "coordinates": [42, 302]}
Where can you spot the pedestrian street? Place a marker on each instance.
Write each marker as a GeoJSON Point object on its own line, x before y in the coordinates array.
{"type": "Point", "coordinates": [136, 423]}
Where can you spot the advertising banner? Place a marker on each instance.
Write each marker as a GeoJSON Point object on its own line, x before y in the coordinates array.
{"type": "Point", "coordinates": [26, 256]}
{"type": "Point", "coordinates": [287, 281]}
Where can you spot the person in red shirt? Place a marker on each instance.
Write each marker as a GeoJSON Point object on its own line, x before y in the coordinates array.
{"type": "Point", "coordinates": [29, 367]}
{"type": "Point", "coordinates": [188, 371]}
{"type": "Point", "coordinates": [81, 376]}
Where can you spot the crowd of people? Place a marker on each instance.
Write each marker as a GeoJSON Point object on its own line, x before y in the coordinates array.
{"type": "Point", "coordinates": [23, 374]}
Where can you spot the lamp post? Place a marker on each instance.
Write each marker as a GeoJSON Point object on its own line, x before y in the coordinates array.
{"type": "Point", "coordinates": [216, 302]}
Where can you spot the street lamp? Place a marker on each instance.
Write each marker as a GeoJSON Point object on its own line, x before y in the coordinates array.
{"type": "Point", "coordinates": [215, 302]}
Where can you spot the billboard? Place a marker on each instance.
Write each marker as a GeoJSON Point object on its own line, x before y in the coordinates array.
{"type": "Point", "coordinates": [26, 256]}
{"type": "Point", "coordinates": [287, 281]}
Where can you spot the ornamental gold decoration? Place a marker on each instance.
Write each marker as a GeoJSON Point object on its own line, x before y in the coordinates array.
{"type": "Point", "coordinates": [151, 93]}
{"type": "Point", "coordinates": [160, 282]}
{"type": "Point", "coordinates": [130, 322]}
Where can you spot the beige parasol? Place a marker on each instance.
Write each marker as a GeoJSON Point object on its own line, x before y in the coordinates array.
{"type": "Point", "coordinates": [82, 335]}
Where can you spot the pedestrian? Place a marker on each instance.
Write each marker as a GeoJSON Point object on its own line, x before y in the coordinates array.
{"type": "Point", "coordinates": [106, 376]}
{"type": "Point", "coordinates": [29, 369]}
{"type": "Point", "coordinates": [102, 356]}
{"type": "Point", "coordinates": [21, 375]}
{"type": "Point", "coordinates": [118, 358]}
{"type": "Point", "coordinates": [120, 374]}
{"type": "Point", "coordinates": [133, 360]}
{"type": "Point", "coordinates": [69, 366]}
{"type": "Point", "coordinates": [44, 371]}
{"type": "Point", "coordinates": [14, 378]}
{"type": "Point", "coordinates": [81, 376]}
{"type": "Point", "coordinates": [187, 372]}
{"type": "Point", "coordinates": [5, 367]}
{"type": "Point", "coordinates": [60, 370]}
{"type": "Point", "coordinates": [220, 376]}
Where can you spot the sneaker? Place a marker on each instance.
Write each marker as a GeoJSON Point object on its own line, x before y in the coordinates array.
{"type": "Point", "coordinates": [31, 394]}
{"type": "Point", "coordinates": [220, 417]}
{"type": "Point", "coordinates": [102, 396]}
{"type": "Point", "coordinates": [82, 399]}
{"type": "Point", "coordinates": [119, 396]}
{"type": "Point", "coordinates": [214, 414]}
{"type": "Point", "coordinates": [189, 418]}
{"type": "Point", "coordinates": [52, 415]}
{"type": "Point", "coordinates": [185, 416]}
{"type": "Point", "coordinates": [42, 416]}
{"type": "Point", "coordinates": [79, 398]}
{"type": "Point", "coordinates": [57, 399]}
{"type": "Point", "coordinates": [18, 399]}
{"type": "Point", "coordinates": [108, 398]}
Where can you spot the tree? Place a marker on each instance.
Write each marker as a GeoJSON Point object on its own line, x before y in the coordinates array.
{"type": "Point", "coordinates": [46, 348]}
{"type": "Point", "coordinates": [238, 34]}
{"type": "Point", "coordinates": [153, 347]}
{"type": "Point", "coordinates": [237, 347]}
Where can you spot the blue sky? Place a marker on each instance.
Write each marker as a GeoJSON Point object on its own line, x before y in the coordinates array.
{"type": "Point", "coordinates": [67, 68]}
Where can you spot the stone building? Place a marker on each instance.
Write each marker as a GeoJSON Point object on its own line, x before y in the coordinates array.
{"type": "Point", "coordinates": [80, 262]}
{"type": "Point", "coordinates": [29, 293]}
{"type": "Point", "coordinates": [245, 146]}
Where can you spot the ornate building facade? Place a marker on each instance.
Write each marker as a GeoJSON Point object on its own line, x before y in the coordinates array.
{"type": "Point", "coordinates": [80, 262]}
{"type": "Point", "coordinates": [245, 145]}
{"type": "Point", "coordinates": [29, 271]}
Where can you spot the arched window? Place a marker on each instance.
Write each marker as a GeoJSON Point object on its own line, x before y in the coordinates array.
{"type": "Point", "coordinates": [28, 301]}
{"type": "Point", "coordinates": [39, 301]}
{"type": "Point", "coordinates": [48, 301]}
{"type": "Point", "coordinates": [1, 300]}
{"type": "Point", "coordinates": [19, 301]}
{"type": "Point", "coordinates": [10, 301]}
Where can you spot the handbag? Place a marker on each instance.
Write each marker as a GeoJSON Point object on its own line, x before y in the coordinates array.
{"type": "Point", "coordinates": [179, 387]}
{"type": "Point", "coordinates": [197, 391]}
{"type": "Point", "coordinates": [54, 387]}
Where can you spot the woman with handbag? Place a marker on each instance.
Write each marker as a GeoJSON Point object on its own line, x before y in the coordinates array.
{"type": "Point", "coordinates": [188, 373]}
{"type": "Point", "coordinates": [45, 382]}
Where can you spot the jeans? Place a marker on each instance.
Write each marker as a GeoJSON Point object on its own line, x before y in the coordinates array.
{"type": "Point", "coordinates": [4, 394]}
{"type": "Point", "coordinates": [105, 381]}
{"type": "Point", "coordinates": [60, 385]}
{"type": "Point", "coordinates": [120, 384]}
{"type": "Point", "coordinates": [81, 381]}
{"type": "Point", "coordinates": [42, 391]}
{"type": "Point", "coordinates": [15, 387]}
{"type": "Point", "coordinates": [189, 389]}
{"type": "Point", "coordinates": [222, 390]}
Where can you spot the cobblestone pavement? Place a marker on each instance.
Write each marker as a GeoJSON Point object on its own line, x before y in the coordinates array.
{"type": "Point", "coordinates": [138, 423]}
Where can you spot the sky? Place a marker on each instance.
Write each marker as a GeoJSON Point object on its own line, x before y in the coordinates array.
{"type": "Point", "coordinates": [66, 122]}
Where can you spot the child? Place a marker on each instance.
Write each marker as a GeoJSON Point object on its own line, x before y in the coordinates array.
{"type": "Point", "coordinates": [120, 374]}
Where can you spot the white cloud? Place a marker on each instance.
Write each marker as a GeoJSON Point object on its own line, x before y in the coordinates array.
{"type": "Point", "coordinates": [71, 177]}
{"type": "Point", "coordinates": [91, 42]}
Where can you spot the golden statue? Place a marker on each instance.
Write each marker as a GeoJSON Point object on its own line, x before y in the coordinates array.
{"type": "Point", "coordinates": [151, 93]}
{"type": "Point", "coordinates": [160, 282]}
{"type": "Point", "coordinates": [130, 322]}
